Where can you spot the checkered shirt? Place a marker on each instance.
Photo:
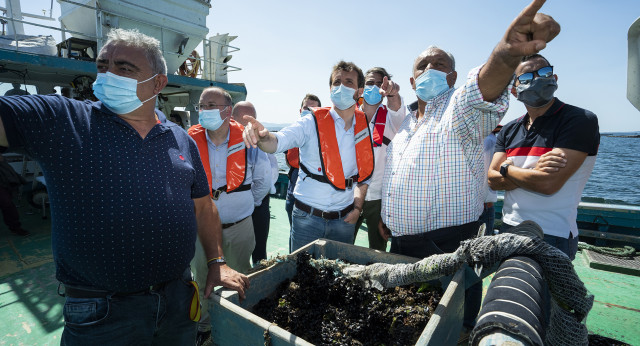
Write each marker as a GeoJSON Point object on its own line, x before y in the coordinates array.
{"type": "Point", "coordinates": [435, 170]}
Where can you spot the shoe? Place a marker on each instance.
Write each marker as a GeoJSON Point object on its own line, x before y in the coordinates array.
{"type": "Point", "coordinates": [21, 232]}
{"type": "Point", "coordinates": [204, 338]}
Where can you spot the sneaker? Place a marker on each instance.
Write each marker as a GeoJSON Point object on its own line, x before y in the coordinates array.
{"type": "Point", "coordinates": [204, 338]}
{"type": "Point", "coordinates": [21, 232]}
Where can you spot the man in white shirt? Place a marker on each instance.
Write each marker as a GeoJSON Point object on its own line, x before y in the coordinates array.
{"type": "Point", "coordinates": [384, 121]}
{"type": "Point", "coordinates": [336, 160]}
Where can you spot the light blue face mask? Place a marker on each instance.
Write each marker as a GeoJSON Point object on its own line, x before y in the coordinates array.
{"type": "Point", "coordinates": [210, 119]}
{"type": "Point", "coordinates": [372, 94]}
{"type": "Point", "coordinates": [342, 97]}
{"type": "Point", "coordinates": [119, 94]}
{"type": "Point", "coordinates": [304, 112]}
{"type": "Point", "coordinates": [431, 84]}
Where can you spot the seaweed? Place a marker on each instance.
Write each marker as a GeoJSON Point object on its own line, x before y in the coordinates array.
{"type": "Point", "coordinates": [325, 308]}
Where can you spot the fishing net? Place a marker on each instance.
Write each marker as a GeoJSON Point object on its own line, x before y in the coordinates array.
{"type": "Point", "coordinates": [570, 304]}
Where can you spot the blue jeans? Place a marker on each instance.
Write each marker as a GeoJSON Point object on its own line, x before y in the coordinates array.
{"type": "Point", "coordinates": [159, 318]}
{"type": "Point", "coordinates": [567, 245]}
{"type": "Point", "coordinates": [306, 228]}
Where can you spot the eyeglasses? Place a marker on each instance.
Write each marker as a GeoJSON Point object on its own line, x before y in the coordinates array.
{"type": "Point", "coordinates": [544, 72]}
{"type": "Point", "coordinates": [211, 106]}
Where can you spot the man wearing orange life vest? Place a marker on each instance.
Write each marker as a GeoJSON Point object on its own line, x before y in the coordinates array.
{"type": "Point", "coordinates": [384, 121]}
{"type": "Point", "coordinates": [293, 155]}
{"type": "Point", "coordinates": [336, 160]}
{"type": "Point", "coordinates": [238, 177]}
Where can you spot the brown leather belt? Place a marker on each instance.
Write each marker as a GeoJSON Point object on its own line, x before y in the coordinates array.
{"type": "Point", "coordinates": [328, 215]}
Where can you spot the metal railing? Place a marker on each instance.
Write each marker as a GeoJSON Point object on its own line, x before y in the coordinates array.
{"type": "Point", "coordinates": [100, 37]}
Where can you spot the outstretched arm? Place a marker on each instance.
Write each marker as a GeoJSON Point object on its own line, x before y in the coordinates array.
{"type": "Point", "coordinates": [528, 34]}
{"type": "Point", "coordinates": [256, 135]}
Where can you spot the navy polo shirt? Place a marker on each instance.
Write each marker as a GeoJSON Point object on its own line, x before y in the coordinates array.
{"type": "Point", "coordinates": [561, 126]}
{"type": "Point", "coordinates": [121, 206]}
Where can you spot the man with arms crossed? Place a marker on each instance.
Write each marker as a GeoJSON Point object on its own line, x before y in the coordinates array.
{"type": "Point", "coordinates": [544, 159]}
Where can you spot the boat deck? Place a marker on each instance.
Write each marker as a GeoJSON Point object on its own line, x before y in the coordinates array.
{"type": "Point", "coordinates": [31, 309]}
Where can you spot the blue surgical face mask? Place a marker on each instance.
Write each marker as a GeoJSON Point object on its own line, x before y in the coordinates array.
{"type": "Point", "coordinates": [304, 112]}
{"type": "Point", "coordinates": [119, 94]}
{"type": "Point", "coordinates": [342, 97]}
{"type": "Point", "coordinates": [210, 119]}
{"type": "Point", "coordinates": [431, 84]}
{"type": "Point", "coordinates": [372, 94]}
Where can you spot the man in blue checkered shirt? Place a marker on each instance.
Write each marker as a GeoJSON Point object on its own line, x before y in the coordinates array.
{"type": "Point", "coordinates": [432, 193]}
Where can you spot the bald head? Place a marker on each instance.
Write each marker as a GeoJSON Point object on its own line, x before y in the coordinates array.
{"type": "Point", "coordinates": [241, 109]}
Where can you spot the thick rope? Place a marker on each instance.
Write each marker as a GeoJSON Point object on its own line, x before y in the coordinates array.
{"type": "Point", "coordinates": [623, 252]}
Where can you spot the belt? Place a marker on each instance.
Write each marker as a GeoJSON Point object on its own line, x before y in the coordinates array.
{"type": "Point", "coordinates": [227, 225]}
{"type": "Point", "coordinates": [75, 292]}
{"type": "Point", "coordinates": [329, 215]}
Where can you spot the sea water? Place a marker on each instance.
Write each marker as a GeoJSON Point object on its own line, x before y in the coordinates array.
{"type": "Point", "coordinates": [615, 177]}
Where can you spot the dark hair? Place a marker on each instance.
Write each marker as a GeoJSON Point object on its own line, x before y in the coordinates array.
{"type": "Point", "coordinates": [311, 97]}
{"type": "Point", "coordinates": [347, 67]}
{"type": "Point", "coordinates": [534, 56]}
{"type": "Point", "coordinates": [379, 70]}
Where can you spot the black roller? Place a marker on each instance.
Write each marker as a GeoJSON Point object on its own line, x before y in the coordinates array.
{"type": "Point", "coordinates": [513, 303]}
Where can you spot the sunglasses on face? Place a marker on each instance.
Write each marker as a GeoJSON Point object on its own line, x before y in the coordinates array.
{"type": "Point", "coordinates": [544, 72]}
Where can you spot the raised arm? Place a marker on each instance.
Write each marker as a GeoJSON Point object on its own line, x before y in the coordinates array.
{"type": "Point", "coordinates": [528, 34]}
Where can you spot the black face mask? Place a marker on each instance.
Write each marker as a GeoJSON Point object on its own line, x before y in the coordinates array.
{"type": "Point", "coordinates": [538, 92]}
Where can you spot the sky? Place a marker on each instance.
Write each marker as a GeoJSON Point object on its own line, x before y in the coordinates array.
{"type": "Point", "coordinates": [287, 48]}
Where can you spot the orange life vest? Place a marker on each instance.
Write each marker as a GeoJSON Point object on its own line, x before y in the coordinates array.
{"type": "Point", "coordinates": [380, 121]}
{"type": "Point", "coordinates": [236, 158]}
{"type": "Point", "coordinates": [293, 157]}
{"type": "Point", "coordinates": [331, 161]}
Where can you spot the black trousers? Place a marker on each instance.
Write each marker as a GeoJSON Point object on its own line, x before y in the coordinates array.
{"type": "Point", "coordinates": [261, 218]}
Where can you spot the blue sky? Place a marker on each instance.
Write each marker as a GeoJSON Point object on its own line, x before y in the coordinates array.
{"type": "Point", "coordinates": [288, 48]}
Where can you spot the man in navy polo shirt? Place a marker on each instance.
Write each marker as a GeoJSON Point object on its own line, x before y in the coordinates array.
{"type": "Point", "coordinates": [544, 159]}
{"type": "Point", "coordinates": [128, 197]}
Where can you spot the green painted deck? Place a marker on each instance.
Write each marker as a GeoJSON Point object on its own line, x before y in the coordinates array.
{"type": "Point", "coordinates": [31, 310]}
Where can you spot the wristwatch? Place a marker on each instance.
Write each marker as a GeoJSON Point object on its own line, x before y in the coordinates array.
{"type": "Point", "coordinates": [504, 168]}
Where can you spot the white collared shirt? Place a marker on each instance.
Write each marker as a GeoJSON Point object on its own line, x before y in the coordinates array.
{"type": "Point", "coordinates": [303, 134]}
